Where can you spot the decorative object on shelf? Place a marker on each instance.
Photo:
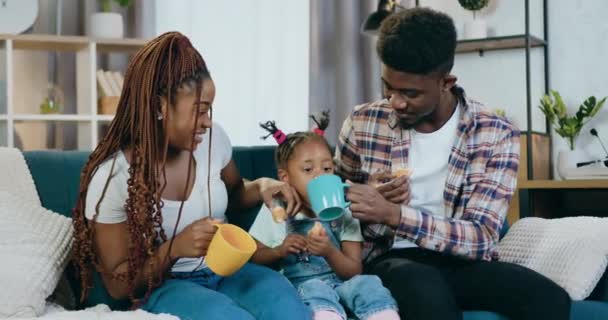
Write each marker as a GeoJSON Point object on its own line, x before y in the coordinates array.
{"type": "Point", "coordinates": [476, 28]}
{"type": "Point", "coordinates": [53, 103]}
{"type": "Point", "coordinates": [16, 16]}
{"type": "Point", "coordinates": [500, 112]}
{"type": "Point", "coordinates": [568, 127]}
{"type": "Point", "coordinates": [385, 7]}
{"type": "Point", "coordinates": [109, 85]}
{"type": "Point", "coordinates": [106, 24]}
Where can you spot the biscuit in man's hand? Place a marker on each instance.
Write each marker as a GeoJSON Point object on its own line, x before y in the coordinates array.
{"type": "Point", "coordinates": [399, 172]}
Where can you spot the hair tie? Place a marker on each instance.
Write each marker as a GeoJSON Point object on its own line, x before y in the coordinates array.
{"type": "Point", "coordinates": [275, 132]}
{"type": "Point", "coordinates": [322, 121]}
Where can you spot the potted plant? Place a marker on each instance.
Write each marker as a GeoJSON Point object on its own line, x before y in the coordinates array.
{"type": "Point", "coordinates": [566, 126]}
{"type": "Point", "coordinates": [476, 28]}
{"type": "Point", "coordinates": [107, 24]}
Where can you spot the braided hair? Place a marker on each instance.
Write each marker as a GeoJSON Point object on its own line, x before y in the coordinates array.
{"type": "Point", "coordinates": [288, 143]}
{"type": "Point", "coordinates": [164, 65]}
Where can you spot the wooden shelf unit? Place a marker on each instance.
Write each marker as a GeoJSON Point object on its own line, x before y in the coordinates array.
{"type": "Point", "coordinates": [498, 43]}
{"type": "Point", "coordinates": [86, 50]}
{"type": "Point", "coordinates": [564, 184]}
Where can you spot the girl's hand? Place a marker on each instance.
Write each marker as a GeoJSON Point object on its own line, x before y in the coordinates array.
{"type": "Point", "coordinates": [319, 244]}
{"type": "Point", "coordinates": [270, 188]}
{"type": "Point", "coordinates": [293, 244]}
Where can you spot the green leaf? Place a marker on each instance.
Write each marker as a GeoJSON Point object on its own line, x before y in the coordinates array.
{"type": "Point", "coordinates": [124, 3]}
{"type": "Point", "coordinates": [473, 5]}
{"type": "Point", "coordinates": [597, 107]}
{"type": "Point", "coordinates": [546, 106]}
{"type": "Point", "coordinates": [560, 106]}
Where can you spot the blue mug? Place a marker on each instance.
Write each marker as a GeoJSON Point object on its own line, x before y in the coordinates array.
{"type": "Point", "coordinates": [326, 196]}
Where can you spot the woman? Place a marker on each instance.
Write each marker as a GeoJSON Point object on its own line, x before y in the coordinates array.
{"type": "Point", "coordinates": [143, 217]}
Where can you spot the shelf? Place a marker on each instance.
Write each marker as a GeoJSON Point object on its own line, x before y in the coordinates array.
{"type": "Point", "coordinates": [71, 43]}
{"type": "Point", "coordinates": [51, 117]}
{"type": "Point", "coordinates": [564, 184]}
{"type": "Point", "coordinates": [124, 45]}
{"type": "Point", "coordinates": [3, 117]}
{"type": "Point", "coordinates": [59, 117]}
{"type": "Point", "coordinates": [105, 117]}
{"type": "Point", "coordinates": [497, 43]}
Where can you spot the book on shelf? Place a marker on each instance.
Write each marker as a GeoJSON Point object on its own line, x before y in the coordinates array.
{"type": "Point", "coordinates": [105, 90]}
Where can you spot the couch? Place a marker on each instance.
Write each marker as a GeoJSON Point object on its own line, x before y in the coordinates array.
{"type": "Point", "coordinates": [57, 173]}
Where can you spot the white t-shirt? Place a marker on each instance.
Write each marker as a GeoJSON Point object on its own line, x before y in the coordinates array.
{"type": "Point", "coordinates": [111, 209]}
{"type": "Point", "coordinates": [428, 158]}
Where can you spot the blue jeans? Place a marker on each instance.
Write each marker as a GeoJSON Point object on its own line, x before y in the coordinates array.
{"type": "Point", "coordinates": [361, 295]}
{"type": "Point", "coordinates": [254, 292]}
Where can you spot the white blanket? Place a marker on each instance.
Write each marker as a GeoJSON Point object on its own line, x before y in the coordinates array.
{"type": "Point", "coordinates": [99, 312]}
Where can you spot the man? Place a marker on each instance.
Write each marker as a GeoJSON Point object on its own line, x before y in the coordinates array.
{"type": "Point", "coordinates": [432, 236]}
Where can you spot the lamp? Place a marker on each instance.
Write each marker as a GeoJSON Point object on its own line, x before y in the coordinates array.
{"type": "Point", "coordinates": [371, 25]}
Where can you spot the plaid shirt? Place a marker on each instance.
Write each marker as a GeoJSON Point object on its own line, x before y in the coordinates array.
{"type": "Point", "coordinates": [482, 175]}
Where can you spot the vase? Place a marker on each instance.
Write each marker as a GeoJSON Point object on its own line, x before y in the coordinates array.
{"type": "Point", "coordinates": [566, 161]}
{"type": "Point", "coordinates": [106, 25]}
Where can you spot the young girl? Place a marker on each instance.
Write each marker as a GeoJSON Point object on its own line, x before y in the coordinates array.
{"type": "Point", "coordinates": [329, 280]}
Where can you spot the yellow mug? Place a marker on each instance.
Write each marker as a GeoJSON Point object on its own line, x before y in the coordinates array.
{"type": "Point", "coordinates": [230, 248]}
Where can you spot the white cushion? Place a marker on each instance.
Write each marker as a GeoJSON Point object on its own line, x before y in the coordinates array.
{"type": "Point", "coordinates": [573, 252]}
{"type": "Point", "coordinates": [34, 249]}
{"type": "Point", "coordinates": [15, 176]}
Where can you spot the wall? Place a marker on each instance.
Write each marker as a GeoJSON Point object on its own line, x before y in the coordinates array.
{"type": "Point", "coordinates": [498, 77]}
{"type": "Point", "coordinates": [258, 54]}
{"type": "Point", "coordinates": [344, 68]}
{"type": "Point", "coordinates": [578, 36]}
{"type": "Point", "coordinates": [578, 42]}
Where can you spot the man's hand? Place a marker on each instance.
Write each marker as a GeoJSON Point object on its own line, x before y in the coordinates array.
{"type": "Point", "coordinates": [392, 188]}
{"type": "Point", "coordinates": [369, 206]}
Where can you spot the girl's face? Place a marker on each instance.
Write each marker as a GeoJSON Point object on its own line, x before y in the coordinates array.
{"type": "Point", "coordinates": [309, 160]}
{"type": "Point", "coordinates": [183, 114]}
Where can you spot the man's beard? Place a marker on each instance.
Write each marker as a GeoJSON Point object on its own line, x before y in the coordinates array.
{"type": "Point", "coordinates": [407, 125]}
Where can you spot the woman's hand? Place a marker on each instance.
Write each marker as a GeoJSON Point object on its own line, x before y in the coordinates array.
{"type": "Point", "coordinates": [193, 241]}
{"type": "Point", "coordinates": [270, 188]}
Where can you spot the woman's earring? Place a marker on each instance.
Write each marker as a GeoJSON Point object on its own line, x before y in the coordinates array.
{"type": "Point", "coordinates": [159, 116]}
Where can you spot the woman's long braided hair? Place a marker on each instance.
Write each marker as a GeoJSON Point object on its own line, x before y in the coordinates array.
{"type": "Point", "coordinates": [159, 69]}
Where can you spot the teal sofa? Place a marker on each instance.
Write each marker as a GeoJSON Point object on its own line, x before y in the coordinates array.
{"type": "Point", "coordinates": [57, 173]}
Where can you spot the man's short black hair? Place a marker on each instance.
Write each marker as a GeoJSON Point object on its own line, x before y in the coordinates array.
{"type": "Point", "coordinates": [417, 40]}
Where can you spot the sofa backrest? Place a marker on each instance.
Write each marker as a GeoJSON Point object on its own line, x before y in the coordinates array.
{"type": "Point", "coordinates": [57, 177]}
{"type": "Point", "coordinates": [57, 173]}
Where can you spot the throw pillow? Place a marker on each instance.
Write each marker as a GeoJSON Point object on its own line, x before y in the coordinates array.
{"type": "Point", "coordinates": [16, 177]}
{"type": "Point", "coordinates": [573, 252]}
{"type": "Point", "coordinates": [34, 249]}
